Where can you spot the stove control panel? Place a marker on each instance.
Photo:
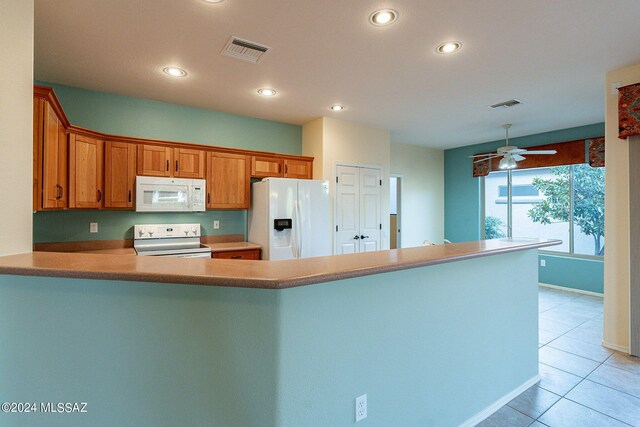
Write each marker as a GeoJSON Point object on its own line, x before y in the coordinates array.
{"type": "Point", "coordinates": [165, 231]}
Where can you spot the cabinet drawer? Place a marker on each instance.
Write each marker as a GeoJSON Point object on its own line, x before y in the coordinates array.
{"type": "Point", "coordinates": [248, 254]}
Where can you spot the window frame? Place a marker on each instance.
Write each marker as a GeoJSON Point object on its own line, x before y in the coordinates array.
{"type": "Point", "coordinates": [549, 252]}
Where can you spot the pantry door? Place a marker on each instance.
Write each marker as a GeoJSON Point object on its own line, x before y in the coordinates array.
{"type": "Point", "coordinates": [358, 210]}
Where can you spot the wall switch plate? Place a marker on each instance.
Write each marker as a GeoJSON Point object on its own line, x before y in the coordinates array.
{"type": "Point", "coordinates": [93, 227]}
{"type": "Point", "coordinates": [216, 225]}
{"type": "Point", "coordinates": [361, 407]}
{"type": "Point", "coordinates": [543, 263]}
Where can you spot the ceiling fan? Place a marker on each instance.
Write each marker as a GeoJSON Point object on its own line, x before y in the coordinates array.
{"type": "Point", "coordinates": [509, 153]}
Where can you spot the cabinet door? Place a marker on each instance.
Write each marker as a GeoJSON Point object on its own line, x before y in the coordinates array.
{"type": "Point", "coordinates": [119, 174]}
{"type": "Point", "coordinates": [228, 183]}
{"type": "Point", "coordinates": [248, 254]}
{"type": "Point", "coordinates": [85, 172]}
{"type": "Point", "coordinates": [54, 161]}
{"type": "Point", "coordinates": [154, 160]}
{"type": "Point", "coordinates": [263, 167]}
{"type": "Point", "coordinates": [301, 169]}
{"type": "Point", "coordinates": [189, 163]}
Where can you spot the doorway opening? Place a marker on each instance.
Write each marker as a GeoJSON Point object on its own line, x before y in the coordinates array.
{"type": "Point", "coordinates": [395, 195]}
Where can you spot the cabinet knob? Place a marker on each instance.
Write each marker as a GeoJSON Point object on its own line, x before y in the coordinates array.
{"type": "Point", "coordinates": [176, 166]}
{"type": "Point", "coordinates": [167, 165]}
{"type": "Point", "coordinates": [129, 196]}
{"type": "Point", "coordinates": [99, 195]}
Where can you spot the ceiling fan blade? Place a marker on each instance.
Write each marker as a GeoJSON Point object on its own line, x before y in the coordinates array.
{"type": "Point", "coordinates": [493, 156]}
{"type": "Point", "coordinates": [540, 152]}
{"type": "Point", "coordinates": [484, 155]}
{"type": "Point", "coordinates": [518, 157]}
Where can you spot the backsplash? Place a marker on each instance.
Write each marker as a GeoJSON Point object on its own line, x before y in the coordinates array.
{"type": "Point", "coordinates": [73, 225]}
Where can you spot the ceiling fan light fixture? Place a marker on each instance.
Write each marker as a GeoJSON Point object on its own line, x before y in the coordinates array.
{"type": "Point", "coordinates": [507, 162]}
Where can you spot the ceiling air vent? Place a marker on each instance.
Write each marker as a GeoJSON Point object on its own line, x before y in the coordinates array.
{"type": "Point", "coordinates": [507, 104]}
{"type": "Point", "coordinates": [244, 49]}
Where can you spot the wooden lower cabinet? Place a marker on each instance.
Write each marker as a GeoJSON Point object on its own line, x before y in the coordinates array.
{"type": "Point", "coordinates": [228, 183]}
{"type": "Point", "coordinates": [86, 157]}
{"type": "Point", "coordinates": [264, 167]}
{"type": "Point", "coordinates": [119, 174]}
{"type": "Point", "coordinates": [301, 169]}
{"type": "Point", "coordinates": [248, 254]}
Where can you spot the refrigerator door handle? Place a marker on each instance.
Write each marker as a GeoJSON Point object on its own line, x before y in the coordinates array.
{"type": "Point", "coordinates": [300, 230]}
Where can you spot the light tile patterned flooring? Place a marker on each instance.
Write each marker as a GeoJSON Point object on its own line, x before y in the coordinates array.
{"type": "Point", "coordinates": [583, 384]}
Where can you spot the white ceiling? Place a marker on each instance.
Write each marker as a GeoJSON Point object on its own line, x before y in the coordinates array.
{"type": "Point", "coordinates": [551, 54]}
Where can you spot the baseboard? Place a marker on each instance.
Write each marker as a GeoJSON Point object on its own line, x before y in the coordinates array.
{"type": "Point", "coordinates": [489, 410]}
{"type": "Point", "coordinates": [577, 291]}
{"type": "Point", "coordinates": [616, 347]}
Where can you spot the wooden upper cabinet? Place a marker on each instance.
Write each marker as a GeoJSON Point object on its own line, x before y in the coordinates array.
{"type": "Point", "coordinates": [301, 169]}
{"type": "Point", "coordinates": [228, 183]}
{"type": "Point", "coordinates": [119, 174]}
{"type": "Point", "coordinates": [266, 166]}
{"type": "Point", "coordinates": [160, 160]}
{"type": "Point", "coordinates": [154, 160]}
{"type": "Point", "coordinates": [50, 158]}
{"type": "Point", "coordinates": [189, 163]}
{"type": "Point", "coordinates": [86, 157]}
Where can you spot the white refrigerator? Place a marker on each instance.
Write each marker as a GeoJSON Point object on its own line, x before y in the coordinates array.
{"type": "Point", "coordinates": [289, 218]}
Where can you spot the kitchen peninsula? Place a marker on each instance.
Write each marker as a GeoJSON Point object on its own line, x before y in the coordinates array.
{"type": "Point", "coordinates": [435, 335]}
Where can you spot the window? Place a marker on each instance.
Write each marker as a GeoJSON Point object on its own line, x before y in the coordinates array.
{"type": "Point", "coordinates": [561, 202]}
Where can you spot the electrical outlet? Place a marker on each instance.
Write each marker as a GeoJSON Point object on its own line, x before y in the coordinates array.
{"type": "Point", "coordinates": [543, 263]}
{"type": "Point", "coordinates": [216, 225]}
{"type": "Point", "coordinates": [361, 407]}
{"type": "Point", "coordinates": [93, 227]}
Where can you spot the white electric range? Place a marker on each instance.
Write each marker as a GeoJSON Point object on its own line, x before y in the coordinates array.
{"type": "Point", "coordinates": [169, 240]}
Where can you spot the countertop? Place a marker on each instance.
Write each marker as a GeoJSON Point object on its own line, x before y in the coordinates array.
{"type": "Point", "coordinates": [253, 274]}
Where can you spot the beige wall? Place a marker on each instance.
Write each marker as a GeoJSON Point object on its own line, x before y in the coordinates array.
{"type": "Point", "coordinates": [340, 141]}
{"type": "Point", "coordinates": [422, 193]}
{"type": "Point", "coordinates": [616, 258]}
{"type": "Point", "coordinates": [16, 125]}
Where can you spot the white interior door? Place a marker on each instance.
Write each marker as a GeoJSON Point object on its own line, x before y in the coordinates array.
{"type": "Point", "coordinates": [347, 210]}
{"type": "Point", "coordinates": [358, 210]}
{"type": "Point", "coordinates": [370, 221]}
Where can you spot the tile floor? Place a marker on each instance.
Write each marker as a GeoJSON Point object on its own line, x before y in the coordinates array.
{"type": "Point", "coordinates": [583, 384]}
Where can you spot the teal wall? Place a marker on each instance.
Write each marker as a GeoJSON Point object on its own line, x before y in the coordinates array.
{"type": "Point", "coordinates": [463, 197]}
{"type": "Point", "coordinates": [431, 346]}
{"type": "Point", "coordinates": [583, 274]}
{"type": "Point", "coordinates": [122, 115]}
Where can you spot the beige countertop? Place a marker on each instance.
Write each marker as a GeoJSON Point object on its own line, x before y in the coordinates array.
{"type": "Point", "coordinates": [253, 274]}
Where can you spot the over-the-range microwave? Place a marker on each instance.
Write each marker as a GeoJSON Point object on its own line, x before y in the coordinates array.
{"type": "Point", "coordinates": [155, 194]}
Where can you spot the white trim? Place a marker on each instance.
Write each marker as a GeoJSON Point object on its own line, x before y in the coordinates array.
{"type": "Point", "coordinates": [616, 347]}
{"type": "Point", "coordinates": [577, 291]}
{"type": "Point", "coordinates": [491, 409]}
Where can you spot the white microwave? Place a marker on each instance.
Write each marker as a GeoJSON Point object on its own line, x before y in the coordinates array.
{"type": "Point", "coordinates": [155, 194]}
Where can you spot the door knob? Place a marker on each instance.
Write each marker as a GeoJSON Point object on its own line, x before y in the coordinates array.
{"type": "Point", "coordinates": [364, 237]}
{"type": "Point", "coordinates": [356, 237]}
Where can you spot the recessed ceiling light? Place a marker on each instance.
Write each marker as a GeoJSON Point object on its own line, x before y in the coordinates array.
{"type": "Point", "coordinates": [266, 92]}
{"type": "Point", "coordinates": [174, 71]}
{"type": "Point", "coordinates": [448, 47]}
{"type": "Point", "coordinates": [383, 17]}
{"type": "Point", "coordinates": [337, 107]}
{"type": "Point", "coordinates": [213, 1]}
